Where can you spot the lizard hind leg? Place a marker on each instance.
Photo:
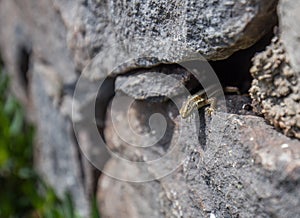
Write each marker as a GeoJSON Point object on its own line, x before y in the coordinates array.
{"type": "Point", "coordinates": [212, 102]}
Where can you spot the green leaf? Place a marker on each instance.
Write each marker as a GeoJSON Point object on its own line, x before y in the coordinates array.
{"type": "Point", "coordinates": [95, 211]}
{"type": "Point", "coordinates": [17, 123]}
{"type": "Point", "coordinates": [23, 193]}
{"type": "Point", "coordinates": [3, 156]}
{"type": "Point", "coordinates": [25, 173]}
{"type": "Point", "coordinates": [10, 105]}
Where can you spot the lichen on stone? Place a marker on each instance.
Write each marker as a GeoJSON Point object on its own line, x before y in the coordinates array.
{"type": "Point", "coordinates": [276, 88]}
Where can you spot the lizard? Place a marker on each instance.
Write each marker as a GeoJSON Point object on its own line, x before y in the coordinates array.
{"type": "Point", "coordinates": [200, 99]}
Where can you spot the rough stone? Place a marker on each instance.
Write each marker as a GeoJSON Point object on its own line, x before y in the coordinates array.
{"type": "Point", "coordinates": [275, 89]}
{"type": "Point", "coordinates": [151, 83]}
{"type": "Point", "coordinates": [231, 170]}
{"type": "Point", "coordinates": [289, 20]}
{"type": "Point", "coordinates": [34, 51]}
{"type": "Point", "coordinates": [46, 44]}
{"type": "Point", "coordinates": [56, 151]}
{"type": "Point", "coordinates": [169, 31]}
{"type": "Point", "coordinates": [213, 28]}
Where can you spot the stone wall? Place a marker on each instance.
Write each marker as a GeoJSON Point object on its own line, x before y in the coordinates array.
{"type": "Point", "coordinates": [232, 162]}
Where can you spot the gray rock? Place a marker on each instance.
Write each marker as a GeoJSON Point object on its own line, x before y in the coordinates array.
{"type": "Point", "coordinates": [215, 29]}
{"type": "Point", "coordinates": [107, 40]}
{"type": "Point", "coordinates": [169, 31]}
{"type": "Point", "coordinates": [56, 151]}
{"type": "Point", "coordinates": [231, 170]}
{"type": "Point", "coordinates": [289, 20]}
{"type": "Point", "coordinates": [152, 83]}
{"type": "Point", "coordinates": [33, 48]}
{"type": "Point", "coordinates": [143, 195]}
{"type": "Point", "coordinates": [275, 89]}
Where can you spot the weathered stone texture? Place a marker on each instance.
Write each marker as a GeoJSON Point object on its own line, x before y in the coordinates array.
{"type": "Point", "coordinates": [233, 169]}
{"type": "Point", "coordinates": [215, 29]}
{"type": "Point", "coordinates": [47, 44]}
{"type": "Point", "coordinates": [151, 83]}
{"type": "Point", "coordinates": [276, 89]}
{"type": "Point", "coordinates": [289, 20]}
{"type": "Point", "coordinates": [168, 31]}
{"type": "Point", "coordinates": [56, 151]}
{"type": "Point", "coordinates": [34, 51]}
{"type": "Point", "coordinates": [276, 86]}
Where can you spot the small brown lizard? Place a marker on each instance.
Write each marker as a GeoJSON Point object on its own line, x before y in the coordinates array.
{"type": "Point", "coordinates": [200, 100]}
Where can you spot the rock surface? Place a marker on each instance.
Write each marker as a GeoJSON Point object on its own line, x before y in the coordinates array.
{"type": "Point", "coordinates": [34, 51]}
{"type": "Point", "coordinates": [231, 170]}
{"type": "Point", "coordinates": [56, 151]}
{"type": "Point", "coordinates": [290, 31]}
{"type": "Point", "coordinates": [151, 83]}
{"type": "Point", "coordinates": [276, 89]}
{"type": "Point", "coordinates": [215, 29]}
{"type": "Point", "coordinates": [276, 86]}
{"type": "Point", "coordinates": [169, 31]}
{"type": "Point", "coordinates": [47, 44]}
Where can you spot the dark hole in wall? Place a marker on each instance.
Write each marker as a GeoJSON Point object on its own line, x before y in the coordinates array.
{"type": "Point", "coordinates": [23, 59]}
{"type": "Point", "coordinates": [235, 70]}
{"type": "Point", "coordinates": [105, 94]}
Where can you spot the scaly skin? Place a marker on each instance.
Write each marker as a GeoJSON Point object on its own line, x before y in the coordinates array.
{"type": "Point", "coordinates": [200, 100]}
{"type": "Point", "coordinates": [197, 101]}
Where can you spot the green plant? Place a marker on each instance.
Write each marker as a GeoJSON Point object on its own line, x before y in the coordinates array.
{"type": "Point", "coordinates": [23, 193]}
